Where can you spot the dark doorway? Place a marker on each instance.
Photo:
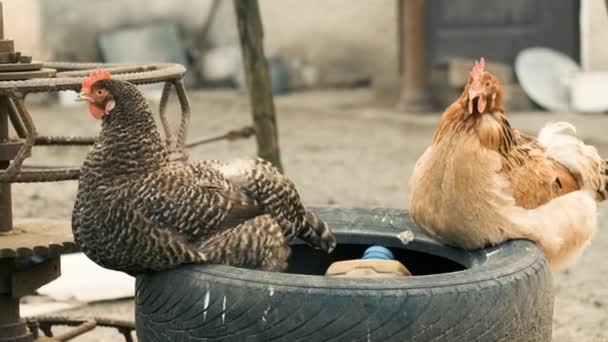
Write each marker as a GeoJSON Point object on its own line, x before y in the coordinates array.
{"type": "Point", "coordinates": [499, 29]}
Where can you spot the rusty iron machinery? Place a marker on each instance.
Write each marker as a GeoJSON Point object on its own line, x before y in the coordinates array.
{"type": "Point", "coordinates": [45, 240]}
{"type": "Point", "coordinates": [30, 249]}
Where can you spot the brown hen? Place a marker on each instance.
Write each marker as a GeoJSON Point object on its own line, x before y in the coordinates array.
{"type": "Point", "coordinates": [137, 210]}
{"type": "Point", "coordinates": [482, 182]}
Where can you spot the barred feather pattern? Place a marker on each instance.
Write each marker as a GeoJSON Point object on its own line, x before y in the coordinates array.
{"type": "Point", "coordinates": [280, 199]}
{"type": "Point", "coordinates": [261, 236]}
{"type": "Point", "coordinates": [136, 210]}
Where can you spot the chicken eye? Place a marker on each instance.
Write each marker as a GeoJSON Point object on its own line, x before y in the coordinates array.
{"type": "Point", "coordinates": [99, 92]}
{"type": "Point", "coordinates": [487, 84]}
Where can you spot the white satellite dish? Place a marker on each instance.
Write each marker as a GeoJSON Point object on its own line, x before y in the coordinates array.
{"type": "Point", "coordinates": [546, 76]}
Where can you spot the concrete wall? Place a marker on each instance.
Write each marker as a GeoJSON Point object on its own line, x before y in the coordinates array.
{"type": "Point", "coordinates": [339, 36]}
{"type": "Point", "coordinates": [70, 27]}
{"type": "Point", "coordinates": [22, 22]}
{"type": "Point", "coordinates": [355, 36]}
{"type": "Point", "coordinates": [594, 35]}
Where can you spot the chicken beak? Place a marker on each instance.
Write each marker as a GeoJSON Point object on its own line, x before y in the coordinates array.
{"type": "Point", "coordinates": [83, 97]}
{"type": "Point", "coordinates": [481, 102]}
{"type": "Point", "coordinates": [473, 94]}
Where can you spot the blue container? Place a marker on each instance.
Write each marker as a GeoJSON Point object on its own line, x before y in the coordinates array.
{"type": "Point", "coordinates": [378, 252]}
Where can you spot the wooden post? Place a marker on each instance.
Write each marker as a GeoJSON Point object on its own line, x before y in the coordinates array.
{"type": "Point", "coordinates": [415, 96]}
{"type": "Point", "coordinates": [251, 34]}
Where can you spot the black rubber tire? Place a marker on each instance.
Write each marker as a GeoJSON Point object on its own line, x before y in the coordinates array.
{"type": "Point", "coordinates": [505, 294]}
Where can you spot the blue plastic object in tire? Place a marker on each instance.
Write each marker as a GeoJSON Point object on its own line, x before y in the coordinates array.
{"type": "Point", "coordinates": [378, 252]}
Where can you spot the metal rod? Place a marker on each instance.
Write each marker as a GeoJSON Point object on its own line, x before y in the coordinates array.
{"type": "Point", "coordinates": [251, 36]}
{"type": "Point", "coordinates": [115, 323]}
{"type": "Point", "coordinates": [46, 167]}
{"type": "Point", "coordinates": [9, 306]}
{"type": "Point", "coordinates": [113, 70]}
{"type": "Point", "coordinates": [58, 140]}
{"type": "Point", "coordinates": [1, 21]}
{"type": "Point", "coordinates": [81, 329]}
{"type": "Point", "coordinates": [6, 212]}
{"type": "Point", "coordinates": [12, 327]}
{"type": "Point", "coordinates": [180, 90]}
{"type": "Point", "coordinates": [16, 120]}
{"type": "Point", "coordinates": [46, 322]}
{"type": "Point", "coordinates": [162, 112]}
{"type": "Point", "coordinates": [26, 149]}
{"type": "Point", "coordinates": [242, 133]}
{"type": "Point", "coordinates": [42, 175]}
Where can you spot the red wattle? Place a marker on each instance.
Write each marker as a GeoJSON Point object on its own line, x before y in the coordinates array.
{"type": "Point", "coordinates": [97, 112]}
{"type": "Point", "coordinates": [481, 104]}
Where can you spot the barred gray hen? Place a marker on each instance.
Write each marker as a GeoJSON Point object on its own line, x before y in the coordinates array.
{"type": "Point", "coordinates": [137, 210]}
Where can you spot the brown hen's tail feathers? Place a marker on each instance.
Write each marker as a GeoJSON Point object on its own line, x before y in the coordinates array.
{"type": "Point", "coordinates": [563, 227]}
{"type": "Point", "coordinates": [583, 161]}
{"type": "Point", "coordinates": [603, 192]}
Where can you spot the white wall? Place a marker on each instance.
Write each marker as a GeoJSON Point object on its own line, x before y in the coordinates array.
{"type": "Point", "coordinates": [342, 40]}
{"type": "Point", "coordinates": [22, 23]}
{"type": "Point", "coordinates": [344, 34]}
{"type": "Point", "coordinates": [594, 35]}
{"type": "Point", "coordinates": [336, 33]}
{"type": "Point", "coordinates": [340, 36]}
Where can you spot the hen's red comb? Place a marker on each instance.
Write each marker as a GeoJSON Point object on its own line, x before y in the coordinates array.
{"type": "Point", "coordinates": [95, 76]}
{"type": "Point", "coordinates": [477, 69]}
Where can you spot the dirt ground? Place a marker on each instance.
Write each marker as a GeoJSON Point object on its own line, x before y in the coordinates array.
{"type": "Point", "coordinates": [340, 147]}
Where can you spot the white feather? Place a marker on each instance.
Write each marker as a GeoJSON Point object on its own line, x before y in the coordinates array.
{"type": "Point", "coordinates": [237, 168]}
{"type": "Point", "coordinates": [583, 161]}
{"type": "Point", "coordinates": [563, 227]}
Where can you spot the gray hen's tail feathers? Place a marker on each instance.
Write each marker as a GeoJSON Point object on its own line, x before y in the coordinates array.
{"type": "Point", "coordinates": [317, 233]}
{"type": "Point", "coordinates": [278, 195]}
